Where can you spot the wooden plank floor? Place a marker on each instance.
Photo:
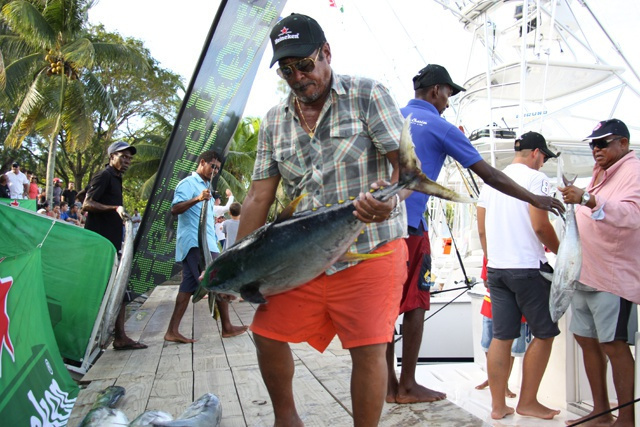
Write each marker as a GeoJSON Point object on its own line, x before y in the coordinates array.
{"type": "Point", "coordinates": [169, 376]}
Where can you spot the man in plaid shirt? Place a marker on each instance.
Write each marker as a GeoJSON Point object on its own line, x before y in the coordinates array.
{"type": "Point", "coordinates": [331, 139]}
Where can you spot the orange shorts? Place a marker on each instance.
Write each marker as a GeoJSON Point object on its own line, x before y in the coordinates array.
{"type": "Point", "coordinates": [360, 304]}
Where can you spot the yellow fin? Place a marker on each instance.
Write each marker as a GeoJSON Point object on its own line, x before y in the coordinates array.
{"type": "Point", "coordinates": [288, 211]}
{"type": "Point", "coordinates": [350, 256]}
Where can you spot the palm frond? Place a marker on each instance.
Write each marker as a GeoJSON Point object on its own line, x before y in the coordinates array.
{"type": "Point", "coordinates": [76, 117]}
{"type": "Point", "coordinates": [147, 187]}
{"type": "Point", "coordinates": [65, 16]}
{"type": "Point", "coordinates": [19, 73]}
{"type": "Point", "coordinates": [12, 46]}
{"type": "Point", "coordinates": [98, 96]}
{"type": "Point", "coordinates": [144, 169]}
{"type": "Point", "coordinates": [80, 52]}
{"type": "Point", "coordinates": [119, 55]}
{"type": "Point", "coordinates": [149, 151]}
{"type": "Point", "coordinates": [27, 115]}
{"type": "Point", "coordinates": [27, 21]}
{"type": "Point", "coordinates": [3, 73]}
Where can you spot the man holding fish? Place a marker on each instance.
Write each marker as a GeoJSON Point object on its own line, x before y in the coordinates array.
{"type": "Point", "coordinates": [512, 233]}
{"type": "Point", "coordinates": [609, 230]}
{"type": "Point", "coordinates": [329, 140]}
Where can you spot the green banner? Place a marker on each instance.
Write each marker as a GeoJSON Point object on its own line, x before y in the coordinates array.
{"type": "Point", "coordinates": [35, 386]}
{"type": "Point", "coordinates": [23, 203]}
{"type": "Point", "coordinates": [76, 266]}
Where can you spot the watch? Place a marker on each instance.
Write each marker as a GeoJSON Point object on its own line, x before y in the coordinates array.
{"type": "Point", "coordinates": [585, 198]}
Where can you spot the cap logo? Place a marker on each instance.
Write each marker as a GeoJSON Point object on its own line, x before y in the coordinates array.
{"type": "Point", "coordinates": [285, 34]}
{"type": "Point", "coordinates": [598, 126]}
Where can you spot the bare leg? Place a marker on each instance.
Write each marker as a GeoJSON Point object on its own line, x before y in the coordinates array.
{"type": "Point", "coordinates": [228, 330]}
{"type": "Point", "coordinates": [173, 330]}
{"type": "Point", "coordinates": [535, 363]}
{"type": "Point", "coordinates": [595, 364]}
{"type": "Point", "coordinates": [409, 391]}
{"type": "Point", "coordinates": [507, 392]}
{"type": "Point", "coordinates": [498, 370]}
{"type": "Point", "coordinates": [368, 384]}
{"type": "Point", "coordinates": [392, 380]}
{"type": "Point", "coordinates": [277, 369]}
{"type": "Point", "coordinates": [121, 340]}
{"type": "Point", "coordinates": [622, 367]}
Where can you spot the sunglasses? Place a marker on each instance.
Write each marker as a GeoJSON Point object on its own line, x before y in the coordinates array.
{"type": "Point", "coordinates": [214, 167]}
{"type": "Point", "coordinates": [305, 65]}
{"type": "Point", "coordinates": [602, 143]}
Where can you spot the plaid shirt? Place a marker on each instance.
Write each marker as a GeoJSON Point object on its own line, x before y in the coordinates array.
{"type": "Point", "coordinates": [359, 123]}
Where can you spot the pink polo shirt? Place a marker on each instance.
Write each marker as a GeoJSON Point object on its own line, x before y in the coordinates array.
{"type": "Point", "coordinates": [611, 237]}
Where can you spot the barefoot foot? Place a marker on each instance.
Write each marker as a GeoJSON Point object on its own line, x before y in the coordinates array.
{"type": "Point", "coordinates": [508, 393]}
{"type": "Point", "coordinates": [234, 331]}
{"type": "Point", "coordinates": [501, 412]}
{"type": "Point", "coordinates": [602, 421]}
{"type": "Point", "coordinates": [418, 393]}
{"type": "Point", "coordinates": [177, 337]}
{"type": "Point", "coordinates": [537, 410]}
{"type": "Point", "coordinates": [482, 386]}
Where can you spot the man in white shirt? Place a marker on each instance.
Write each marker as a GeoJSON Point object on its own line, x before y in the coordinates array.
{"type": "Point", "coordinates": [512, 233]}
{"type": "Point", "coordinates": [18, 182]}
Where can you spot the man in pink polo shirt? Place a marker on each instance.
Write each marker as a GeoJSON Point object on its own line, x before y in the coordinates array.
{"type": "Point", "coordinates": [610, 235]}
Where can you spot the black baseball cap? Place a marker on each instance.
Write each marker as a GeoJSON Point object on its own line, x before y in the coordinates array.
{"type": "Point", "coordinates": [120, 146]}
{"type": "Point", "coordinates": [531, 141]}
{"type": "Point", "coordinates": [609, 127]}
{"type": "Point", "coordinates": [295, 36]}
{"type": "Point", "coordinates": [15, 164]}
{"type": "Point", "coordinates": [434, 74]}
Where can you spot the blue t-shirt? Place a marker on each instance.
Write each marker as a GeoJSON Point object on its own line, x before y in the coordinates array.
{"type": "Point", "coordinates": [188, 221]}
{"type": "Point", "coordinates": [434, 139]}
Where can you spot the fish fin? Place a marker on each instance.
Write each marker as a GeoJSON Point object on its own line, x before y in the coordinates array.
{"type": "Point", "coordinates": [547, 275]}
{"type": "Point", "coordinates": [290, 209]}
{"type": "Point", "coordinates": [351, 256]}
{"type": "Point", "coordinates": [199, 294]}
{"type": "Point", "coordinates": [251, 293]}
{"type": "Point", "coordinates": [412, 176]}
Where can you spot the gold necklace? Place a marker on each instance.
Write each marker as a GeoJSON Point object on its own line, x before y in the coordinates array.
{"type": "Point", "coordinates": [312, 130]}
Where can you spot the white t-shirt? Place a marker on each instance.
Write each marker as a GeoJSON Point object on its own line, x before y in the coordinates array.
{"type": "Point", "coordinates": [16, 184]}
{"type": "Point", "coordinates": [511, 241]}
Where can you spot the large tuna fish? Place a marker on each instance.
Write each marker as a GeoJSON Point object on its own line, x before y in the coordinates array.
{"type": "Point", "coordinates": [298, 247]}
{"type": "Point", "coordinates": [568, 264]}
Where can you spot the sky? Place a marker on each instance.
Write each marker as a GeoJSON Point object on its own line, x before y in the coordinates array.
{"type": "Point", "coordinates": [388, 40]}
{"type": "Point", "coordinates": [370, 38]}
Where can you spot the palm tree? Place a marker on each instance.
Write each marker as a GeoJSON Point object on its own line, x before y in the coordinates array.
{"type": "Point", "coordinates": [238, 165]}
{"type": "Point", "coordinates": [47, 68]}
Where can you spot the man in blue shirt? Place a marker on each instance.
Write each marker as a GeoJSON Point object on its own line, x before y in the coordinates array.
{"type": "Point", "coordinates": [435, 138]}
{"type": "Point", "coordinates": [187, 199]}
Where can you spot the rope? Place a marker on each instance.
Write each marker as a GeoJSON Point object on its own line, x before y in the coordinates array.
{"type": "Point", "coordinates": [53, 222]}
{"type": "Point", "coordinates": [604, 412]}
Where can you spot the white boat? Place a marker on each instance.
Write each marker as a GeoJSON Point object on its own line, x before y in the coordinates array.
{"type": "Point", "coordinates": [560, 79]}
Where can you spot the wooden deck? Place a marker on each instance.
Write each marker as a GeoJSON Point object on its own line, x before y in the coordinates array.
{"type": "Point", "coordinates": [169, 376]}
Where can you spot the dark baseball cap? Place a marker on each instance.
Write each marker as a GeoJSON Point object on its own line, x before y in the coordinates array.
{"type": "Point", "coordinates": [120, 146]}
{"type": "Point", "coordinates": [295, 36]}
{"type": "Point", "coordinates": [531, 141]}
{"type": "Point", "coordinates": [15, 164]}
{"type": "Point", "coordinates": [434, 74]}
{"type": "Point", "coordinates": [609, 127]}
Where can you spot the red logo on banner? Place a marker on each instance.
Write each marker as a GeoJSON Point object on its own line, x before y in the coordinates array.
{"type": "Point", "coordinates": [14, 203]}
{"type": "Point", "coordinates": [5, 339]}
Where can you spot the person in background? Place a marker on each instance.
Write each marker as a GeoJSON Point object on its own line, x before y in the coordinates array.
{"type": "Point", "coordinates": [103, 202]}
{"type": "Point", "coordinates": [69, 194]}
{"type": "Point", "coordinates": [57, 191]}
{"type": "Point", "coordinates": [219, 233]}
{"type": "Point", "coordinates": [608, 218]}
{"type": "Point", "coordinates": [136, 219]}
{"type": "Point", "coordinates": [5, 193]}
{"type": "Point", "coordinates": [513, 235]}
{"type": "Point", "coordinates": [230, 226]}
{"type": "Point", "coordinates": [18, 182]}
{"type": "Point", "coordinates": [333, 137]}
{"type": "Point", "coordinates": [434, 140]}
{"type": "Point", "coordinates": [56, 212]}
{"type": "Point", "coordinates": [187, 204]}
{"type": "Point", "coordinates": [219, 209]}
{"type": "Point", "coordinates": [34, 190]}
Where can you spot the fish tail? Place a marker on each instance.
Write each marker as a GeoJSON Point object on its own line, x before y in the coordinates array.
{"type": "Point", "coordinates": [412, 177]}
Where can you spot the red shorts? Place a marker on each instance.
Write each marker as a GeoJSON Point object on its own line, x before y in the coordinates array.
{"type": "Point", "coordinates": [413, 295]}
{"type": "Point", "coordinates": [360, 304]}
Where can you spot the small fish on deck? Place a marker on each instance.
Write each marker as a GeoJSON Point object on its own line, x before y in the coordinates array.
{"type": "Point", "coordinates": [296, 248]}
{"type": "Point", "coordinates": [102, 412]}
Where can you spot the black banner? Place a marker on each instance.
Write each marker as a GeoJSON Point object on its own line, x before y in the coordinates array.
{"type": "Point", "coordinates": [208, 117]}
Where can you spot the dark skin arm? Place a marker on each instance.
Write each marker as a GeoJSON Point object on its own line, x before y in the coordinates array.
{"type": "Point", "coordinates": [370, 210]}
{"type": "Point", "coordinates": [506, 185]}
{"type": "Point", "coordinates": [261, 195]}
{"type": "Point", "coordinates": [91, 205]}
{"type": "Point", "coordinates": [182, 207]}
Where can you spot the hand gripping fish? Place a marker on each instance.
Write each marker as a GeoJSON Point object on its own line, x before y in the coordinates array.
{"type": "Point", "coordinates": [568, 264]}
{"type": "Point", "coordinates": [294, 249]}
